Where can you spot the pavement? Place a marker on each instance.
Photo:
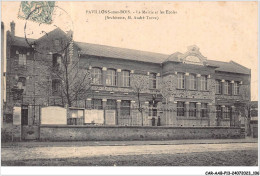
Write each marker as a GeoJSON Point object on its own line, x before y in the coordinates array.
{"type": "Point", "coordinates": [30, 144]}
{"type": "Point", "coordinates": [24, 153]}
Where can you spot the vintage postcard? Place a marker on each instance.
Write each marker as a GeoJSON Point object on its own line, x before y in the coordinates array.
{"type": "Point", "coordinates": [130, 84]}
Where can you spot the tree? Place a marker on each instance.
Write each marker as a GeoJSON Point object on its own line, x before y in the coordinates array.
{"type": "Point", "coordinates": [67, 77]}
{"type": "Point", "coordinates": [244, 105]}
{"type": "Point", "coordinates": [139, 84]}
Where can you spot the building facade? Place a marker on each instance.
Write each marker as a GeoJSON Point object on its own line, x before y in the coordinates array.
{"type": "Point", "coordinates": [127, 87]}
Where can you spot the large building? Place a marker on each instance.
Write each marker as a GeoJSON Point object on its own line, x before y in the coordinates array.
{"type": "Point", "coordinates": [127, 87]}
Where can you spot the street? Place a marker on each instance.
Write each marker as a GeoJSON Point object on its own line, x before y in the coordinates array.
{"type": "Point", "coordinates": [243, 154]}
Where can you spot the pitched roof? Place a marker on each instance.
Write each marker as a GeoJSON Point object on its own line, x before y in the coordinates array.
{"type": "Point", "coordinates": [20, 41]}
{"type": "Point", "coordinates": [231, 66]}
{"type": "Point", "coordinates": [136, 55]}
{"type": "Point", "coordinates": [120, 53]}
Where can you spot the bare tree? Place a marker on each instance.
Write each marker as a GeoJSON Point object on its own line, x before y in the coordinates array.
{"type": "Point", "coordinates": [244, 106]}
{"type": "Point", "coordinates": [139, 84]}
{"type": "Point", "coordinates": [73, 78]}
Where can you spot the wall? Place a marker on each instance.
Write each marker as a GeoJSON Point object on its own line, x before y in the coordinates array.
{"type": "Point", "coordinates": [112, 133]}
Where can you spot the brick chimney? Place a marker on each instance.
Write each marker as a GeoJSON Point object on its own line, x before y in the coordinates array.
{"type": "Point", "coordinates": [12, 25]}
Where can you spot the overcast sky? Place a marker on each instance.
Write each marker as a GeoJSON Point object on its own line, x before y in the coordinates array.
{"type": "Point", "coordinates": [223, 31]}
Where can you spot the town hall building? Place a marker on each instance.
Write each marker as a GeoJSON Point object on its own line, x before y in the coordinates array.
{"type": "Point", "coordinates": [126, 87]}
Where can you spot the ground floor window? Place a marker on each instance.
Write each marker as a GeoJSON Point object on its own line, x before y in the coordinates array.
{"type": "Point", "coordinates": [204, 110]}
{"type": "Point", "coordinates": [227, 112]}
{"type": "Point", "coordinates": [76, 117]}
{"type": "Point", "coordinates": [125, 108]}
{"type": "Point", "coordinates": [111, 104]}
{"type": "Point", "coordinates": [97, 104]}
{"type": "Point", "coordinates": [218, 112]}
{"type": "Point", "coordinates": [152, 108]}
{"type": "Point", "coordinates": [180, 108]}
{"type": "Point", "coordinates": [193, 111]}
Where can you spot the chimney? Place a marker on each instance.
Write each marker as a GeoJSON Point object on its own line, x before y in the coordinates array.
{"type": "Point", "coordinates": [12, 25]}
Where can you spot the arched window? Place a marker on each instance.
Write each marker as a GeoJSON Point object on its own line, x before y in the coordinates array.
{"type": "Point", "coordinates": [96, 76]}
{"type": "Point", "coordinates": [111, 77]}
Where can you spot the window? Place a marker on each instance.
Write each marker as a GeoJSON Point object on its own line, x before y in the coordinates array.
{"type": "Point", "coordinates": [180, 108]}
{"type": "Point", "coordinates": [56, 42]}
{"type": "Point", "coordinates": [181, 80]}
{"type": "Point", "coordinates": [152, 108]}
{"type": "Point", "coordinates": [193, 82]}
{"type": "Point", "coordinates": [227, 112]}
{"type": "Point", "coordinates": [56, 87]}
{"type": "Point", "coordinates": [126, 78]}
{"type": "Point", "coordinates": [218, 87]}
{"type": "Point", "coordinates": [96, 76]}
{"type": "Point", "coordinates": [21, 82]}
{"type": "Point", "coordinates": [203, 82]}
{"type": "Point", "coordinates": [111, 77]}
{"type": "Point", "coordinates": [236, 88]}
{"type": "Point", "coordinates": [152, 80]}
{"type": "Point", "coordinates": [76, 117]}
{"type": "Point", "coordinates": [204, 110]}
{"type": "Point", "coordinates": [111, 104]}
{"type": "Point", "coordinates": [22, 59]}
{"type": "Point", "coordinates": [97, 104]}
{"type": "Point", "coordinates": [125, 108]}
{"type": "Point", "coordinates": [228, 87]}
{"type": "Point", "coordinates": [192, 111]}
{"type": "Point", "coordinates": [56, 60]}
{"type": "Point", "coordinates": [219, 112]}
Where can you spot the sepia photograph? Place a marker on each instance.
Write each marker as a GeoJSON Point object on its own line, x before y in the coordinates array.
{"type": "Point", "coordinates": [91, 83]}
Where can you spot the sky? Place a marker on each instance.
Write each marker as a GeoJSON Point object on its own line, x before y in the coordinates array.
{"type": "Point", "coordinates": [223, 31]}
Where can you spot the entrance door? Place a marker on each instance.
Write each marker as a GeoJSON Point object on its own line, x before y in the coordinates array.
{"type": "Point", "coordinates": [30, 131]}
{"type": "Point", "coordinates": [25, 115]}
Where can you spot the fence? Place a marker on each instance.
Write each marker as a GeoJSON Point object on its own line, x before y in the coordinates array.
{"type": "Point", "coordinates": [144, 117]}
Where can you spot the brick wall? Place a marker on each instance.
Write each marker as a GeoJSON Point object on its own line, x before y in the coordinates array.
{"type": "Point", "coordinates": [83, 133]}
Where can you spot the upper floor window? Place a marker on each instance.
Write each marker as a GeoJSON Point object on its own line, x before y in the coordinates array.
{"type": "Point", "coordinates": [56, 42]}
{"type": "Point", "coordinates": [228, 88]}
{"type": "Point", "coordinates": [218, 87]}
{"type": "Point", "coordinates": [192, 112]}
{"type": "Point", "coordinates": [181, 80]}
{"type": "Point", "coordinates": [22, 59]}
{"type": "Point", "coordinates": [96, 76]}
{"type": "Point", "coordinates": [97, 103]}
{"type": "Point", "coordinates": [21, 82]}
{"type": "Point", "coordinates": [56, 87]}
{"type": "Point", "coordinates": [126, 78]}
{"type": "Point", "coordinates": [152, 80]}
{"type": "Point", "coordinates": [125, 108]}
{"type": "Point", "coordinates": [236, 88]}
{"type": "Point", "coordinates": [193, 82]}
{"type": "Point", "coordinates": [56, 60]}
{"type": "Point", "coordinates": [204, 82]}
{"type": "Point", "coordinates": [111, 77]}
{"type": "Point", "coordinates": [180, 108]}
